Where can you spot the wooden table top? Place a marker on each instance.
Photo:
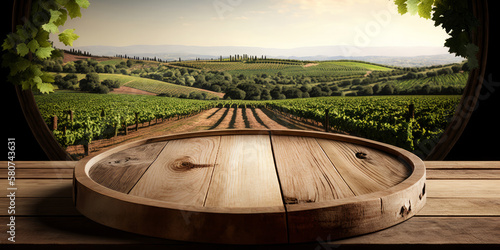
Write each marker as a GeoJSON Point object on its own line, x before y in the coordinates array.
{"type": "Point", "coordinates": [463, 208]}
{"type": "Point", "coordinates": [251, 186]}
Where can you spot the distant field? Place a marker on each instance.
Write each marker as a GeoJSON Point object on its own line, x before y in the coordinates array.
{"type": "Point", "coordinates": [272, 67]}
{"type": "Point", "coordinates": [153, 86]}
{"type": "Point", "coordinates": [457, 79]}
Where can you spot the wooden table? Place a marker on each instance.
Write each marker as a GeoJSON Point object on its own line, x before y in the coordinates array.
{"type": "Point", "coordinates": [463, 208]}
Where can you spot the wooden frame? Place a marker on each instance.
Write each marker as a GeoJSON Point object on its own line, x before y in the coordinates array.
{"type": "Point", "coordinates": [452, 133]}
{"type": "Point", "coordinates": [291, 223]}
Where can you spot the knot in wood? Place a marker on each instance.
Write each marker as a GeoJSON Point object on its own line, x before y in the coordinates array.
{"type": "Point", "coordinates": [361, 155]}
{"type": "Point", "coordinates": [187, 164]}
{"type": "Point", "coordinates": [405, 211]}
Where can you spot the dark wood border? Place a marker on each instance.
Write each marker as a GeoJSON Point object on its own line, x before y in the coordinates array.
{"type": "Point", "coordinates": [39, 128]}
{"type": "Point", "coordinates": [469, 99]}
{"type": "Point", "coordinates": [452, 133]}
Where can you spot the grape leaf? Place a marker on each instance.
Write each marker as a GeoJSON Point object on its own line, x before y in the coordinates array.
{"type": "Point", "coordinates": [68, 36]}
{"type": "Point", "coordinates": [42, 38]}
{"type": "Point", "coordinates": [33, 45]}
{"type": "Point", "coordinates": [44, 52]}
{"type": "Point", "coordinates": [412, 6]}
{"type": "Point", "coordinates": [37, 80]}
{"type": "Point", "coordinates": [22, 49]}
{"type": "Point", "coordinates": [425, 8]}
{"type": "Point", "coordinates": [83, 3]}
{"type": "Point", "coordinates": [62, 19]}
{"type": "Point", "coordinates": [18, 65]}
{"type": "Point", "coordinates": [8, 43]}
{"type": "Point", "coordinates": [471, 52]}
{"type": "Point", "coordinates": [73, 9]}
{"type": "Point", "coordinates": [402, 9]}
{"type": "Point", "coordinates": [50, 27]}
{"type": "Point", "coordinates": [54, 16]}
{"type": "Point", "coordinates": [45, 88]}
{"type": "Point", "coordinates": [46, 77]}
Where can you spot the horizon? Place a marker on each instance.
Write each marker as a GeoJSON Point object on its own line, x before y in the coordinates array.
{"type": "Point", "coordinates": [274, 24]}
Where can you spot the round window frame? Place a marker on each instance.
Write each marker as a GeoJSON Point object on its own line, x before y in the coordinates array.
{"type": "Point", "coordinates": [454, 130]}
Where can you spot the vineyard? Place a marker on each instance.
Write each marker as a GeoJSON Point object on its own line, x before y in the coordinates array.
{"type": "Point", "coordinates": [294, 68]}
{"type": "Point", "coordinates": [458, 79]}
{"type": "Point", "coordinates": [385, 119]}
{"type": "Point", "coordinates": [102, 116]}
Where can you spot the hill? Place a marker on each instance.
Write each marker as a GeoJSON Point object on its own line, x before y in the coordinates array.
{"type": "Point", "coordinates": [397, 56]}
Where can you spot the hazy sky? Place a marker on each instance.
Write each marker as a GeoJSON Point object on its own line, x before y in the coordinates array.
{"type": "Point", "coordinates": [258, 23]}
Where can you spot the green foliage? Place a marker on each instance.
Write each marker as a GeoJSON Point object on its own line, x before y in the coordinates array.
{"type": "Point", "coordinates": [89, 124]}
{"type": "Point", "coordinates": [454, 16]}
{"type": "Point", "coordinates": [29, 45]}
{"type": "Point", "coordinates": [378, 118]}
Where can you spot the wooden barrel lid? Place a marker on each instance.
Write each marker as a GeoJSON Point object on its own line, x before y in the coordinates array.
{"type": "Point", "coordinates": [251, 186]}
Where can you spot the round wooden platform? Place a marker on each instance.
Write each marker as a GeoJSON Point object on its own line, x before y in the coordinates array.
{"type": "Point", "coordinates": [251, 186]}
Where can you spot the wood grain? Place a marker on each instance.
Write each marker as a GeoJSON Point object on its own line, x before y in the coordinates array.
{"type": "Point", "coordinates": [43, 206]}
{"type": "Point", "coordinates": [463, 174]}
{"type": "Point", "coordinates": [49, 173]}
{"type": "Point", "coordinates": [461, 207]}
{"type": "Point", "coordinates": [244, 175]}
{"type": "Point", "coordinates": [365, 170]}
{"type": "Point", "coordinates": [122, 170]}
{"type": "Point", "coordinates": [462, 164]}
{"type": "Point", "coordinates": [38, 188]}
{"type": "Point", "coordinates": [40, 164]}
{"type": "Point", "coordinates": [306, 173]}
{"type": "Point", "coordinates": [182, 172]}
{"type": "Point", "coordinates": [464, 188]}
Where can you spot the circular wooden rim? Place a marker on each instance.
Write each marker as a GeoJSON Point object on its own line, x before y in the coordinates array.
{"type": "Point", "coordinates": [439, 150]}
{"type": "Point", "coordinates": [393, 198]}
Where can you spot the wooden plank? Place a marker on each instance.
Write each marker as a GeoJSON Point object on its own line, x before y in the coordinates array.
{"type": "Point", "coordinates": [39, 164]}
{"type": "Point", "coordinates": [462, 164]}
{"type": "Point", "coordinates": [45, 206]}
{"type": "Point", "coordinates": [39, 173]}
{"type": "Point", "coordinates": [182, 172]}
{"type": "Point", "coordinates": [32, 188]}
{"type": "Point", "coordinates": [244, 175]}
{"type": "Point", "coordinates": [121, 171]}
{"type": "Point", "coordinates": [461, 207]}
{"type": "Point", "coordinates": [428, 231]}
{"type": "Point", "coordinates": [462, 174]}
{"type": "Point", "coordinates": [305, 172]}
{"type": "Point", "coordinates": [463, 188]}
{"type": "Point", "coordinates": [365, 170]}
{"type": "Point", "coordinates": [433, 230]}
{"type": "Point", "coordinates": [40, 231]}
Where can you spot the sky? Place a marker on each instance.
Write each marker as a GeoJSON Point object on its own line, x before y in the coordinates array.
{"type": "Point", "coordinates": [257, 23]}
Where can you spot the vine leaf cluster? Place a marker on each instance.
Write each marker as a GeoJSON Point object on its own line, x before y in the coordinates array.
{"type": "Point", "coordinates": [27, 47]}
{"type": "Point", "coordinates": [455, 17]}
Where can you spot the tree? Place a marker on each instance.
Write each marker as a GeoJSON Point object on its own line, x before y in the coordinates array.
{"type": "Point", "coordinates": [276, 92]}
{"type": "Point", "coordinates": [387, 90]}
{"type": "Point", "coordinates": [235, 93]}
{"type": "Point", "coordinates": [365, 91]}
{"type": "Point", "coordinates": [90, 82]}
{"type": "Point", "coordinates": [130, 63]}
{"type": "Point", "coordinates": [265, 95]}
{"type": "Point", "coordinates": [111, 84]}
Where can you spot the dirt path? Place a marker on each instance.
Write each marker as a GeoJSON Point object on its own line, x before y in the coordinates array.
{"type": "Point", "coordinates": [310, 65]}
{"type": "Point", "coordinates": [253, 123]}
{"type": "Point", "coordinates": [268, 120]}
{"type": "Point", "coordinates": [215, 118]}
